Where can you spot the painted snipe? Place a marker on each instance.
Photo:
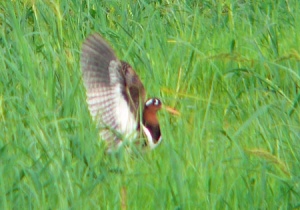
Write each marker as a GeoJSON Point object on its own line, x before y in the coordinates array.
{"type": "Point", "coordinates": [116, 96]}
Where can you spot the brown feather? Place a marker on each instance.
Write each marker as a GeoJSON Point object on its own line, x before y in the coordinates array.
{"type": "Point", "coordinates": [135, 89]}
{"type": "Point", "coordinates": [115, 93]}
{"type": "Point", "coordinates": [105, 82]}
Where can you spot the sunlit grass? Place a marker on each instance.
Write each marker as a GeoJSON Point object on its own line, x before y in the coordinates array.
{"type": "Point", "coordinates": [230, 68]}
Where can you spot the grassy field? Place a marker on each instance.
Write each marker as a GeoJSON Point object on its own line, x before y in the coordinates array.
{"type": "Point", "coordinates": [230, 67]}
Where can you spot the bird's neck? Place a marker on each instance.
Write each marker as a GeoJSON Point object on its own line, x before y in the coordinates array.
{"type": "Point", "coordinates": [151, 123]}
{"type": "Point", "coordinates": [149, 117]}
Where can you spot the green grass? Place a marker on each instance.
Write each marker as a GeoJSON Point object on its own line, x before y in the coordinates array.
{"type": "Point", "coordinates": [230, 67]}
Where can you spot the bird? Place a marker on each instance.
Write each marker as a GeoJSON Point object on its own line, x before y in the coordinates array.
{"type": "Point", "coordinates": [116, 97]}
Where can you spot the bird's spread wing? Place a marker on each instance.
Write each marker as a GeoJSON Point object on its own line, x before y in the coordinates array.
{"type": "Point", "coordinates": [105, 85]}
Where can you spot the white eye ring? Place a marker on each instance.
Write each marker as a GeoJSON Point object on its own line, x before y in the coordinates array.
{"type": "Point", "coordinates": [149, 102]}
{"type": "Point", "coordinates": [153, 101]}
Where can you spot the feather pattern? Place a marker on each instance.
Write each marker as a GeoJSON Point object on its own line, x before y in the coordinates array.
{"type": "Point", "coordinates": [105, 81]}
{"type": "Point", "coordinates": [115, 94]}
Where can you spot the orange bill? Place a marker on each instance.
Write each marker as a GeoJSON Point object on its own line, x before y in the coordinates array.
{"type": "Point", "coordinates": [171, 110]}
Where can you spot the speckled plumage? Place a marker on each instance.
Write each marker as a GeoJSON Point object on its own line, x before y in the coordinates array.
{"type": "Point", "coordinates": [114, 92]}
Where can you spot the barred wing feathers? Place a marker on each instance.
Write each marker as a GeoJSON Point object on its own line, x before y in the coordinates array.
{"type": "Point", "coordinates": [105, 84]}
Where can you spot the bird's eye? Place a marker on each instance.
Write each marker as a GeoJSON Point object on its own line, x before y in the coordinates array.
{"type": "Point", "coordinates": [149, 102]}
{"type": "Point", "coordinates": [153, 101]}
